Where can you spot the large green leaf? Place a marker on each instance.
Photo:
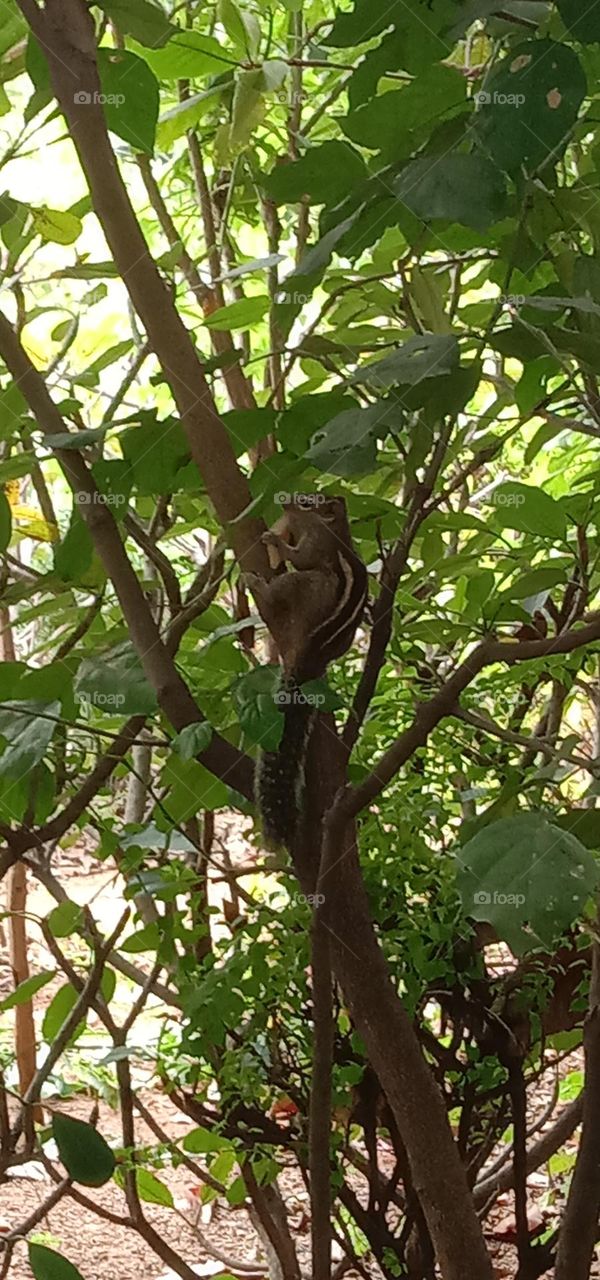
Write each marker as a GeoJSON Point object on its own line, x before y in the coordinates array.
{"type": "Point", "coordinates": [324, 174]}
{"type": "Point", "coordinates": [85, 1154]}
{"type": "Point", "coordinates": [157, 451]}
{"type": "Point", "coordinates": [56, 225]}
{"type": "Point", "coordinates": [114, 682]}
{"type": "Point", "coordinates": [191, 788]}
{"type": "Point", "coordinates": [47, 1264]}
{"type": "Point", "coordinates": [347, 445]}
{"type": "Point", "coordinates": [238, 315]}
{"type": "Point", "coordinates": [384, 123]}
{"type": "Point", "coordinates": [152, 1190]}
{"type": "Point", "coordinates": [188, 55]}
{"type": "Point", "coordinates": [426, 356]}
{"type": "Point", "coordinates": [131, 96]}
{"type": "Point", "coordinates": [73, 556]}
{"type": "Point", "coordinates": [141, 19]}
{"type": "Point", "coordinates": [530, 509]}
{"type": "Point", "coordinates": [61, 1005]}
{"type": "Point", "coordinates": [527, 878]}
{"type": "Point", "coordinates": [465, 188]}
{"type": "Point", "coordinates": [581, 20]}
{"type": "Point", "coordinates": [27, 735]}
{"type": "Point", "coordinates": [530, 104]}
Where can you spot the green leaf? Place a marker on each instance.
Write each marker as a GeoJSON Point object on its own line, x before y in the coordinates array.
{"type": "Point", "coordinates": [324, 174]}
{"type": "Point", "coordinates": [5, 522]}
{"type": "Point", "coordinates": [192, 788]}
{"type": "Point", "coordinates": [114, 682]}
{"type": "Point", "coordinates": [384, 123]}
{"type": "Point", "coordinates": [188, 56]}
{"type": "Point", "coordinates": [144, 21]}
{"type": "Point", "coordinates": [201, 1141]}
{"type": "Point", "coordinates": [582, 23]}
{"type": "Point", "coordinates": [27, 989]}
{"type": "Point", "coordinates": [530, 104]}
{"type": "Point", "coordinates": [241, 26]}
{"type": "Point", "coordinates": [237, 1192]}
{"type": "Point", "coordinates": [426, 356]}
{"type": "Point", "coordinates": [527, 878]}
{"type": "Point", "coordinates": [192, 740]}
{"type": "Point", "coordinates": [28, 736]}
{"type": "Point", "coordinates": [65, 919]}
{"type": "Point", "coordinates": [531, 510]}
{"type": "Point", "coordinates": [46, 1264]}
{"type": "Point", "coordinates": [157, 451]}
{"type": "Point", "coordinates": [152, 1190]}
{"type": "Point", "coordinates": [56, 225]}
{"type": "Point", "coordinates": [255, 697]}
{"type": "Point", "coordinates": [73, 556]}
{"type": "Point", "coordinates": [132, 97]}
{"type": "Point", "coordinates": [307, 414]}
{"type": "Point", "coordinates": [58, 1011]}
{"type": "Point", "coordinates": [534, 583]}
{"type": "Point", "coordinates": [179, 119]}
{"type": "Point", "coordinates": [348, 444]}
{"type": "Point", "coordinates": [468, 189]}
{"type": "Point", "coordinates": [238, 315]}
{"type": "Point", "coordinates": [146, 939]}
{"type": "Point", "coordinates": [85, 1154]}
{"type": "Point", "coordinates": [247, 109]}
{"type": "Point", "coordinates": [13, 27]}
{"type": "Point", "coordinates": [583, 823]}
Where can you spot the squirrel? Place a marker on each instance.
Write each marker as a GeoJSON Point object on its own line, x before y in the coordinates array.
{"type": "Point", "coordinates": [312, 615]}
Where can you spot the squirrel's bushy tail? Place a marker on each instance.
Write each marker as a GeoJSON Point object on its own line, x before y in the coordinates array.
{"type": "Point", "coordinates": [280, 773]}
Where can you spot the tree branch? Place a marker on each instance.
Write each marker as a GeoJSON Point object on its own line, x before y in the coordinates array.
{"type": "Point", "coordinates": [172, 693]}
{"type": "Point", "coordinates": [66, 32]}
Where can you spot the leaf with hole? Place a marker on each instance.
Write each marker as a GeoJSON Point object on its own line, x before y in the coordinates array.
{"type": "Point", "coordinates": [425, 356]}
{"type": "Point", "coordinates": [530, 104]}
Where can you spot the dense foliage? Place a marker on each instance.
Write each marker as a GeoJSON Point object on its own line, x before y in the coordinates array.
{"type": "Point", "coordinates": [380, 229]}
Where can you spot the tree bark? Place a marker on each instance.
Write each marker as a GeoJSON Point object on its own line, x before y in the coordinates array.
{"type": "Point", "coordinates": [579, 1228]}
{"type": "Point", "coordinates": [25, 1047]}
{"type": "Point", "coordinates": [438, 1174]}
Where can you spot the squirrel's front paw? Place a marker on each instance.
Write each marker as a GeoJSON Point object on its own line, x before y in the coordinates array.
{"type": "Point", "coordinates": [252, 581]}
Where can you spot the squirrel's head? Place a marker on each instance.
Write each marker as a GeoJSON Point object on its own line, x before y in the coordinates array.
{"type": "Point", "coordinates": [330, 510]}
